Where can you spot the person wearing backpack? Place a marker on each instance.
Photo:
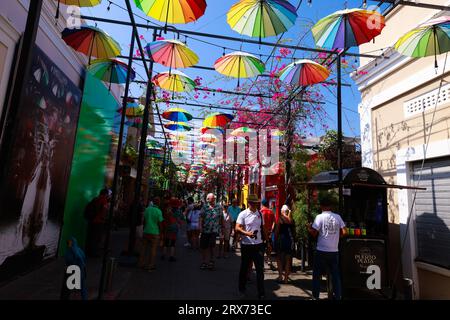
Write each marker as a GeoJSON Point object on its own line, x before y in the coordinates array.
{"type": "Point", "coordinates": [96, 213]}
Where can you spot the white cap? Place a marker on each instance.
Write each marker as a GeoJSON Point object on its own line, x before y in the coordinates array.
{"type": "Point", "coordinates": [284, 208]}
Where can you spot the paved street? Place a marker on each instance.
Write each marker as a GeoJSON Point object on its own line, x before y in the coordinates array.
{"type": "Point", "coordinates": [183, 279]}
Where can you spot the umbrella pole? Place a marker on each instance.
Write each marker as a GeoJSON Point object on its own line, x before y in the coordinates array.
{"type": "Point", "coordinates": [116, 170]}
{"type": "Point", "coordinates": [436, 66]}
{"type": "Point", "coordinates": [167, 16]}
{"type": "Point", "coordinates": [92, 48]}
{"type": "Point", "coordinates": [339, 142]}
{"type": "Point", "coordinates": [57, 13]}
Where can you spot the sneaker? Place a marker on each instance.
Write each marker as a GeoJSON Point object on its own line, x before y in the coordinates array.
{"type": "Point", "coordinates": [172, 259]}
{"type": "Point", "coordinates": [187, 245]}
{"type": "Point", "coordinates": [261, 297]}
{"type": "Point", "coordinates": [203, 266]}
{"type": "Point", "coordinates": [241, 295]}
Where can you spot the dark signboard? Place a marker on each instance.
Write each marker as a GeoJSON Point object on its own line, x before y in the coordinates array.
{"type": "Point", "coordinates": [356, 256]}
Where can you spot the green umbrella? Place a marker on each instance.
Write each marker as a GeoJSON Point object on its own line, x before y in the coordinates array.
{"type": "Point", "coordinates": [431, 38]}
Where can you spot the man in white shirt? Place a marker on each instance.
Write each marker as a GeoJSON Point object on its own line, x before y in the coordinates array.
{"type": "Point", "coordinates": [328, 227]}
{"type": "Point", "coordinates": [250, 225]}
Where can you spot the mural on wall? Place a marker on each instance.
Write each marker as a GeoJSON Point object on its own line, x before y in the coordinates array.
{"type": "Point", "coordinates": [34, 181]}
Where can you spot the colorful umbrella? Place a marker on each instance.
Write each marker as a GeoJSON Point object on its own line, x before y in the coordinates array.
{"type": "Point", "coordinates": [204, 130]}
{"type": "Point", "coordinates": [173, 11]}
{"type": "Point", "coordinates": [242, 131]}
{"type": "Point", "coordinates": [277, 133]}
{"type": "Point", "coordinates": [177, 115]}
{"type": "Point", "coordinates": [239, 65]}
{"type": "Point", "coordinates": [92, 42]}
{"type": "Point", "coordinates": [431, 38]}
{"type": "Point", "coordinates": [217, 119]}
{"type": "Point", "coordinates": [133, 109]}
{"type": "Point", "coordinates": [177, 126]}
{"type": "Point", "coordinates": [347, 28]}
{"type": "Point", "coordinates": [110, 70]}
{"type": "Point", "coordinates": [261, 18]}
{"type": "Point", "coordinates": [174, 81]}
{"type": "Point", "coordinates": [171, 53]}
{"type": "Point", "coordinates": [236, 139]}
{"type": "Point", "coordinates": [78, 3]}
{"type": "Point", "coordinates": [209, 138]}
{"type": "Point", "coordinates": [303, 73]}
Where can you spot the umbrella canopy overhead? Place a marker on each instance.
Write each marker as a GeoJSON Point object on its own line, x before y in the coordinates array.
{"type": "Point", "coordinates": [348, 28]}
{"type": "Point", "coordinates": [92, 42]}
{"type": "Point", "coordinates": [177, 115]}
{"type": "Point", "coordinates": [208, 138]}
{"type": "Point", "coordinates": [110, 70]}
{"type": "Point", "coordinates": [177, 126]}
{"type": "Point", "coordinates": [242, 131]}
{"type": "Point", "coordinates": [239, 65]}
{"type": "Point", "coordinates": [174, 81]}
{"type": "Point", "coordinates": [217, 119]}
{"type": "Point", "coordinates": [236, 139]}
{"type": "Point", "coordinates": [171, 53]}
{"type": "Point", "coordinates": [261, 18]}
{"type": "Point", "coordinates": [431, 38]}
{"type": "Point", "coordinates": [173, 11]}
{"type": "Point", "coordinates": [206, 129]}
{"type": "Point", "coordinates": [304, 73]}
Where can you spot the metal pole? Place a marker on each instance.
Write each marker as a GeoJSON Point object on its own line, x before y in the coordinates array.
{"type": "Point", "coordinates": [116, 170]}
{"type": "Point", "coordinates": [339, 142]}
{"type": "Point", "coordinates": [24, 60]}
{"type": "Point", "coordinates": [141, 159]}
{"type": "Point", "coordinates": [290, 133]}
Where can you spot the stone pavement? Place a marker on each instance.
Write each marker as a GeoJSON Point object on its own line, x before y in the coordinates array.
{"type": "Point", "coordinates": [182, 279]}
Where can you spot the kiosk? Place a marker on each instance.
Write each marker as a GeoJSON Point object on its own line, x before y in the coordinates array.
{"type": "Point", "coordinates": [364, 248]}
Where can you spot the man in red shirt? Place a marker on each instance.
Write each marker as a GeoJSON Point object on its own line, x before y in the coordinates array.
{"type": "Point", "coordinates": [269, 225]}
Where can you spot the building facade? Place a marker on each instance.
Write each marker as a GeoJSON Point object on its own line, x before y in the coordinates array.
{"type": "Point", "coordinates": [405, 136]}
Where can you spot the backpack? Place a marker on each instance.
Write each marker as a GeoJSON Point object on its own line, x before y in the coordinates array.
{"type": "Point", "coordinates": [90, 210]}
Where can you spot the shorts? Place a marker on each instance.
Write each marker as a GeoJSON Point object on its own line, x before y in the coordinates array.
{"type": "Point", "coordinates": [168, 243]}
{"type": "Point", "coordinates": [208, 240]}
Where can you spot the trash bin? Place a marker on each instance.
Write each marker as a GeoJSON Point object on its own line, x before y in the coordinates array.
{"type": "Point", "coordinates": [110, 270]}
{"type": "Point", "coordinates": [408, 289]}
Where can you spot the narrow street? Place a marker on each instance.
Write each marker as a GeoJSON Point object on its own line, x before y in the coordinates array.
{"type": "Point", "coordinates": [183, 279]}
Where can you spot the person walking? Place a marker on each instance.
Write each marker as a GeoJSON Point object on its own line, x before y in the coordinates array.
{"type": "Point", "coordinates": [285, 243]}
{"type": "Point", "coordinates": [211, 224]}
{"type": "Point", "coordinates": [224, 239]}
{"type": "Point", "coordinates": [250, 225]}
{"type": "Point", "coordinates": [328, 227]}
{"type": "Point", "coordinates": [193, 220]}
{"type": "Point", "coordinates": [269, 225]}
{"type": "Point", "coordinates": [153, 219]}
{"type": "Point", "coordinates": [74, 256]}
{"type": "Point", "coordinates": [233, 212]}
{"type": "Point", "coordinates": [172, 221]}
{"type": "Point", "coordinates": [186, 212]}
{"type": "Point", "coordinates": [95, 213]}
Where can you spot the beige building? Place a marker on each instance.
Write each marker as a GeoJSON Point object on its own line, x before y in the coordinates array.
{"type": "Point", "coordinates": [405, 118]}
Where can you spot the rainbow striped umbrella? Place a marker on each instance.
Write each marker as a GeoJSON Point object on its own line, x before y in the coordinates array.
{"type": "Point", "coordinates": [304, 73]}
{"type": "Point", "coordinates": [431, 38]}
{"type": "Point", "coordinates": [177, 115]}
{"type": "Point", "coordinates": [77, 3]}
{"type": "Point", "coordinates": [204, 130]}
{"type": "Point", "coordinates": [110, 70]}
{"type": "Point", "coordinates": [242, 131]}
{"type": "Point", "coordinates": [217, 119]}
{"type": "Point", "coordinates": [171, 53]}
{"type": "Point", "coordinates": [261, 18]}
{"type": "Point", "coordinates": [177, 126]}
{"type": "Point", "coordinates": [92, 42]}
{"type": "Point", "coordinates": [239, 65]}
{"type": "Point", "coordinates": [347, 28]}
{"type": "Point", "coordinates": [173, 11]}
{"type": "Point", "coordinates": [174, 81]}
{"type": "Point", "coordinates": [236, 139]}
{"type": "Point", "coordinates": [208, 138]}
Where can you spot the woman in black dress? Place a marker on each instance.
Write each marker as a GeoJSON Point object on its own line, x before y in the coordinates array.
{"type": "Point", "coordinates": [285, 244]}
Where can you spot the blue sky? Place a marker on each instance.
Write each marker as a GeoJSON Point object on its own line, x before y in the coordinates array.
{"type": "Point", "coordinates": [214, 21]}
